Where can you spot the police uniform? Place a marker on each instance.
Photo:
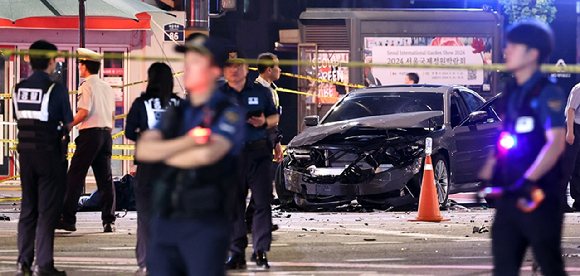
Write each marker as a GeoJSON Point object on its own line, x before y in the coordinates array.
{"type": "Point", "coordinates": [274, 137]}
{"type": "Point", "coordinates": [189, 228]}
{"type": "Point", "coordinates": [94, 147]}
{"type": "Point", "coordinates": [530, 110]}
{"type": "Point", "coordinates": [253, 172]}
{"type": "Point", "coordinates": [42, 109]}
{"type": "Point", "coordinates": [145, 113]}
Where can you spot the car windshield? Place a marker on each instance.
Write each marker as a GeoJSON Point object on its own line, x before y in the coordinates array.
{"type": "Point", "coordinates": [377, 104]}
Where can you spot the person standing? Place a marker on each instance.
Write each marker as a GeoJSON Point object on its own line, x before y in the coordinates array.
{"type": "Point", "coordinates": [195, 145]}
{"type": "Point", "coordinates": [95, 114]}
{"type": "Point", "coordinates": [44, 117]}
{"type": "Point", "coordinates": [571, 159]}
{"type": "Point", "coordinates": [254, 164]}
{"type": "Point", "coordinates": [527, 163]}
{"type": "Point", "coordinates": [269, 70]}
{"type": "Point", "coordinates": [145, 113]}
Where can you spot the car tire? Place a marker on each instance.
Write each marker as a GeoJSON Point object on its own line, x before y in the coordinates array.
{"type": "Point", "coordinates": [442, 178]}
{"type": "Point", "coordinates": [286, 197]}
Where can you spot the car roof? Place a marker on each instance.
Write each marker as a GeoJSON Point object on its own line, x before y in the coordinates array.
{"type": "Point", "coordinates": [424, 88]}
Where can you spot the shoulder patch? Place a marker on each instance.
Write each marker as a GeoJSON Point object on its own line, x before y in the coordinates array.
{"type": "Point", "coordinates": [231, 116]}
{"type": "Point", "coordinates": [555, 105]}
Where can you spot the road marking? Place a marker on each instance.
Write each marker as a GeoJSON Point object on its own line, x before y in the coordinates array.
{"type": "Point", "coordinates": [117, 248]}
{"type": "Point", "coordinates": [274, 245]}
{"type": "Point", "coordinates": [10, 199]}
{"type": "Point", "coordinates": [369, 242]}
{"type": "Point", "coordinates": [473, 257]}
{"type": "Point", "coordinates": [9, 251]}
{"type": "Point", "coordinates": [10, 189]}
{"type": "Point", "coordinates": [376, 260]}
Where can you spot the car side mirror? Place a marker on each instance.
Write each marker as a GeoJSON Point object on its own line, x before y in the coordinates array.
{"type": "Point", "coordinates": [477, 116]}
{"type": "Point", "coordinates": [311, 120]}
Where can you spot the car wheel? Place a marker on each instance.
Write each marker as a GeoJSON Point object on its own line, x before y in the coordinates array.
{"type": "Point", "coordinates": [442, 179]}
{"type": "Point", "coordinates": [286, 197]}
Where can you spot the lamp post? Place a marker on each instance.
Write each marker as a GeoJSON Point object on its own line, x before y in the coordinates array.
{"type": "Point", "coordinates": [82, 23]}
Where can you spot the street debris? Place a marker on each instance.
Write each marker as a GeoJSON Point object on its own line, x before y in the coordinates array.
{"type": "Point", "coordinates": [480, 230]}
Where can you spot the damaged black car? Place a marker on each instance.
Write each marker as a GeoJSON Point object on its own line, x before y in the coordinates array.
{"type": "Point", "coordinates": [370, 146]}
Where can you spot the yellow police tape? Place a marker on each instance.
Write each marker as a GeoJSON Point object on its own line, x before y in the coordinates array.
{"type": "Point", "coordinates": [121, 133]}
{"type": "Point", "coordinates": [302, 93]}
{"type": "Point", "coordinates": [113, 157]}
{"type": "Point", "coordinates": [549, 68]}
{"type": "Point", "coordinates": [9, 178]}
{"type": "Point", "coordinates": [317, 79]}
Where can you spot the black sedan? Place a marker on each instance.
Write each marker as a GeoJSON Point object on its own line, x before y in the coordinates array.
{"type": "Point", "coordinates": [370, 147]}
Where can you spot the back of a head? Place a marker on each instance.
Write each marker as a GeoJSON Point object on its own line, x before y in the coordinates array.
{"type": "Point", "coordinates": [41, 62]}
{"type": "Point", "coordinates": [533, 33]}
{"type": "Point", "coordinates": [414, 77]}
{"type": "Point", "coordinates": [160, 82]}
{"type": "Point", "coordinates": [265, 61]}
{"type": "Point", "coordinates": [92, 66]}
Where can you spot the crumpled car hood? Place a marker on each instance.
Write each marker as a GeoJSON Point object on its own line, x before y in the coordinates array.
{"type": "Point", "coordinates": [402, 120]}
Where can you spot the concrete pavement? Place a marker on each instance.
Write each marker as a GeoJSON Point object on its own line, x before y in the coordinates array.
{"type": "Point", "coordinates": [309, 243]}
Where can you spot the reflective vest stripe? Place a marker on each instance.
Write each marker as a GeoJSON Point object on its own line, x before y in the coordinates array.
{"type": "Point", "coordinates": [155, 111]}
{"type": "Point", "coordinates": [41, 115]}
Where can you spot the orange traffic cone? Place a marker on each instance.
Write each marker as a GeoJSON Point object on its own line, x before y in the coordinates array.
{"type": "Point", "coordinates": [428, 200]}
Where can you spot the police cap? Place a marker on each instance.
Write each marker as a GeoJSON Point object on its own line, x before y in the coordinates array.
{"type": "Point", "coordinates": [89, 55]}
{"type": "Point", "coordinates": [533, 33]}
{"type": "Point", "coordinates": [200, 43]}
{"type": "Point", "coordinates": [236, 56]}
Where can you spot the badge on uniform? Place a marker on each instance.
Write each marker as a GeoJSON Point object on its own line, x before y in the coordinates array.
{"type": "Point", "coordinates": [29, 95]}
{"type": "Point", "coordinates": [524, 124]}
{"type": "Point", "coordinates": [253, 101]}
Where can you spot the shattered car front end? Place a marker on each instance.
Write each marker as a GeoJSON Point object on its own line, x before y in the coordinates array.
{"type": "Point", "coordinates": [373, 160]}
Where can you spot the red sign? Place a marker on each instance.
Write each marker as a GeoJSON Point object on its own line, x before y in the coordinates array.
{"type": "Point", "coordinates": [113, 71]}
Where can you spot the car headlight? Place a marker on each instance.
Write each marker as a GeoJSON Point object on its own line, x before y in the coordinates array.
{"type": "Point", "coordinates": [416, 166]}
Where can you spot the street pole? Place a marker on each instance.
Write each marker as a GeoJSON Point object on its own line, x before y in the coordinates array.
{"type": "Point", "coordinates": [82, 23]}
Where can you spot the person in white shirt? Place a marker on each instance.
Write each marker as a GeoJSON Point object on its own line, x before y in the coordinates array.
{"type": "Point", "coordinates": [95, 119]}
{"type": "Point", "coordinates": [571, 161]}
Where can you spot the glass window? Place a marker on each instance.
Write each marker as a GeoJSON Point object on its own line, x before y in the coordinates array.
{"type": "Point", "coordinates": [377, 104]}
{"type": "Point", "coordinates": [473, 102]}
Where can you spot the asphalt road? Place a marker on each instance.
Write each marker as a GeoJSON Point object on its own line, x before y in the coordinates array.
{"type": "Point", "coordinates": [313, 243]}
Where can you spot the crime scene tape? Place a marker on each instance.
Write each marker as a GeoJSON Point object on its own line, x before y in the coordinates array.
{"type": "Point", "coordinates": [317, 79]}
{"type": "Point", "coordinates": [548, 68]}
{"type": "Point", "coordinates": [121, 116]}
{"type": "Point", "coordinates": [121, 133]}
{"type": "Point", "coordinates": [9, 178]}
{"type": "Point", "coordinates": [302, 93]}
{"type": "Point", "coordinates": [115, 146]}
{"type": "Point", "coordinates": [113, 157]}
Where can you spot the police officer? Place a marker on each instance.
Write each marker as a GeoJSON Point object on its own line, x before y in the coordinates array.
{"type": "Point", "coordinates": [197, 142]}
{"type": "Point", "coordinates": [269, 72]}
{"type": "Point", "coordinates": [526, 165]}
{"type": "Point", "coordinates": [269, 69]}
{"type": "Point", "coordinates": [144, 114]}
{"type": "Point", "coordinates": [95, 114]}
{"type": "Point", "coordinates": [254, 163]}
{"type": "Point", "coordinates": [43, 114]}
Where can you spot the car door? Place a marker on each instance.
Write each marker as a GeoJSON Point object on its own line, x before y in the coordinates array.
{"type": "Point", "coordinates": [483, 133]}
{"type": "Point", "coordinates": [462, 138]}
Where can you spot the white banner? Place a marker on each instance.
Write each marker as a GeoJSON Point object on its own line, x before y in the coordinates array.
{"type": "Point", "coordinates": [428, 55]}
